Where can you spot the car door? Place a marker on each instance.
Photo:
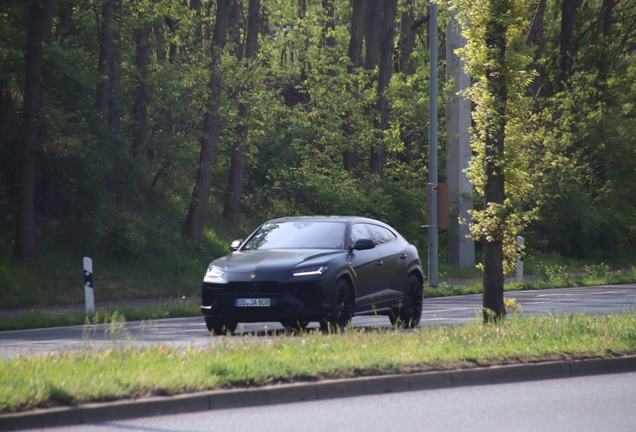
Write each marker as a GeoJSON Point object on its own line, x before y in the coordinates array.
{"type": "Point", "coordinates": [390, 252]}
{"type": "Point", "coordinates": [365, 264]}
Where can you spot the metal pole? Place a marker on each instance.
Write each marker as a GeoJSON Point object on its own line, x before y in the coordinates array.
{"type": "Point", "coordinates": [432, 146]}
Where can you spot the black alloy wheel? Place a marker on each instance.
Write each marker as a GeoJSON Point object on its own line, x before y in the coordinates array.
{"type": "Point", "coordinates": [342, 309]}
{"type": "Point", "coordinates": [297, 326]}
{"type": "Point", "coordinates": [220, 328]}
{"type": "Point", "coordinates": [409, 313]}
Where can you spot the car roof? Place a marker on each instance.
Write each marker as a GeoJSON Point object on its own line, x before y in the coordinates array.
{"type": "Point", "coordinates": [326, 219]}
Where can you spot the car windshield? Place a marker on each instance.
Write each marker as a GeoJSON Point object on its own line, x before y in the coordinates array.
{"type": "Point", "coordinates": [298, 235]}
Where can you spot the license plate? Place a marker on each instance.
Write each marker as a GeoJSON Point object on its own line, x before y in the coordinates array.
{"type": "Point", "coordinates": [259, 302]}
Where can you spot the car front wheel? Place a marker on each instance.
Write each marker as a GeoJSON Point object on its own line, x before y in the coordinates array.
{"type": "Point", "coordinates": [342, 308]}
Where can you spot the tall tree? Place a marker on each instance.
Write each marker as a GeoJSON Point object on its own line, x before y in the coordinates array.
{"type": "Point", "coordinates": [140, 126]}
{"type": "Point", "coordinates": [357, 31]}
{"type": "Point", "coordinates": [350, 156]}
{"type": "Point", "coordinates": [495, 134]}
{"type": "Point", "coordinates": [496, 61]}
{"type": "Point", "coordinates": [406, 43]}
{"type": "Point", "coordinates": [535, 37]}
{"type": "Point", "coordinates": [104, 62]}
{"type": "Point", "coordinates": [239, 150]}
{"type": "Point", "coordinates": [566, 40]}
{"type": "Point", "coordinates": [372, 23]}
{"type": "Point", "coordinates": [114, 77]}
{"type": "Point", "coordinates": [211, 128]}
{"type": "Point", "coordinates": [25, 239]}
{"type": "Point", "coordinates": [387, 40]}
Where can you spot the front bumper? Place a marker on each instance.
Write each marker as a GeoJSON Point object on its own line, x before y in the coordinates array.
{"type": "Point", "coordinates": [287, 301]}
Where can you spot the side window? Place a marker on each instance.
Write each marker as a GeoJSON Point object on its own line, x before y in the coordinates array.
{"type": "Point", "coordinates": [358, 231]}
{"type": "Point", "coordinates": [380, 235]}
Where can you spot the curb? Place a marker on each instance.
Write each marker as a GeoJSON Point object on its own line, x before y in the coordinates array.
{"type": "Point", "coordinates": [321, 390]}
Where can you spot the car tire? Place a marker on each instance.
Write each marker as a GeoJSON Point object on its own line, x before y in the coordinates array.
{"type": "Point", "coordinates": [409, 313]}
{"type": "Point", "coordinates": [297, 326]}
{"type": "Point", "coordinates": [341, 309]}
{"type": "Point", "coordinates": [220, 328]}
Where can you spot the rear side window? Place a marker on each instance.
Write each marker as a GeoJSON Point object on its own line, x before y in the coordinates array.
{"type": "Point", "coordinates": [380, 235]}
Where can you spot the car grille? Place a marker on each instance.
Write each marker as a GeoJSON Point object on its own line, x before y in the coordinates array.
{"type": "Point", "coordinates": [308, 294]}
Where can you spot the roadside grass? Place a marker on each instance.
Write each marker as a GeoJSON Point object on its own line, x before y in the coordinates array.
{"type": "Point", "coordinates": [39, 320]}
{"type": "Point", "coordinates": [593, 277]}
{"type": "Point", "coordinates": [124, 371]}
{"type": "Point", "coordinates": [55, 278]}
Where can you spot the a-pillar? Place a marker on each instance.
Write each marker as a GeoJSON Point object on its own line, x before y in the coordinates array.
{"type": "Point", "coordinates": [461, 248]}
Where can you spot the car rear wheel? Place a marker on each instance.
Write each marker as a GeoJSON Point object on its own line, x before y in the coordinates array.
{"type": "Point", "coordinates": [342, 308]}
{"type": "Point", "coordinates": [295, 325]}
{"type": "Point", "coordinates": [409, 313]}
{"type": "Point", "coordinates": [220, 328]}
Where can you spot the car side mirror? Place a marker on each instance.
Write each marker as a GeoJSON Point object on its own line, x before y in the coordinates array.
{"type": "Point", "coordinates": [363, 244]}
{"type": "Point", "coordinates": [236, 244]}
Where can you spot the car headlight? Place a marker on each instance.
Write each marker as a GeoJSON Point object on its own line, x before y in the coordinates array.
{"type": "Point", "coordinates": [310, 271]}
{"type": "Point", "coordinates": [215, 274]}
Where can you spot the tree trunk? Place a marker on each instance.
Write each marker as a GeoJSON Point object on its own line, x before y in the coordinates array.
{"type": "Point", "coordinates": [566, 51]}
{"type": "Point", "coordinates": [140, 130]}
{"type": "Point", "coordinates": [211, 127]}
{"type": "Point", "coordinates": [387, 39]}
{"type": "Point", "coordinates": [114, 113]}
{"type": "Point", "coordinates": [603, 24]}
{"type": "Point", "coordinates": [330, 25]}
{"type": "Point", "coordinates": [406, 42]}
{"type": "Point", "coordinates": [25, 238]}
{"type": "Point", "coordinates": [493, 277]}
{"type": "Point", "coordinates": [372, 23]}
{"type": "Point", "coordinates": [239, 151]}
{"type": "Point", "coordinates": [234, 29]}
{"type": "Point", "coordinates": [350, 157]}
{"type": "Point", "coordinates": [535, 36]}
{"type": "Point", "coordinates": [357, 29]}
{"type": "Point", "coordinates": [103, 65]}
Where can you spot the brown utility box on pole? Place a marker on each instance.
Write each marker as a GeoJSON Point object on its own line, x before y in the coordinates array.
{"type": "Point", "coordinates": [443, 205]}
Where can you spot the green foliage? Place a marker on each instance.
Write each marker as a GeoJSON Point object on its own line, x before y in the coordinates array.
{"type": "Point", "coordinates": [124, 240]}
{"type": "Point", "coordinates": [566, 165]}
{"type": "Point", "coordinates": [597, 270]}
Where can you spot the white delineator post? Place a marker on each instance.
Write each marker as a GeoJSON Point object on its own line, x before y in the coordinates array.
{"type": "Point", "coordinates": [87, 277]}
{"type": "Point", "coordinates": [519, 259]}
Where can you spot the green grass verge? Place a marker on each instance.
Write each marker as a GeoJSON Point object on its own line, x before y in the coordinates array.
{"type": "Point", "coordinates": [445, 289]}
{"type": "Point", "coordinates": [123, 371]}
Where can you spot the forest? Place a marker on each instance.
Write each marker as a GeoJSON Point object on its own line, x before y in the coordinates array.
{"type": "Point", "coordinates": [132, 127]}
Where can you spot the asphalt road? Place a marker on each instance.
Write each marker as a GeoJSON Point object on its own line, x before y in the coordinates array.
{"type": "Point", "coordinates": [591, 403]}
{"type": "Point", "coordinates": [184, 332]}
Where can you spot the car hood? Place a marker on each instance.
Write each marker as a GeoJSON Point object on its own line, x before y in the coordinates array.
{"type": "Point", "coordinates": [274, 260]}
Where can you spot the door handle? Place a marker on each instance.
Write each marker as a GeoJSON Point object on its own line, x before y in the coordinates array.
{"type": "Point", "coordinates": [402, 256]}
{"type": "Point", "coordinates": [379, 263]}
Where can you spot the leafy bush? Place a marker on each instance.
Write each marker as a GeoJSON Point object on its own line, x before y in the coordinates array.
{"type": "Point", "coordinates": [124, 239]}
{"type": "Point", "coordinates": [599, 270]}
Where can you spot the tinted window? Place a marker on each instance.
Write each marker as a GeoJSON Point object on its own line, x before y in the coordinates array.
{"type": "Point", "coordinates": [379, 234]}
{"type": "Point", "coordinates": [298, 235]}
{"type": "Point", "coordinates": [358, 231]}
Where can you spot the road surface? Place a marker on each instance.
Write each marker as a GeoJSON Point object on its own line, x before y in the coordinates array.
{"type": "Point", "coordinates": [184, 332]}
{"type": "Point", "coordinates": [592, 403]}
